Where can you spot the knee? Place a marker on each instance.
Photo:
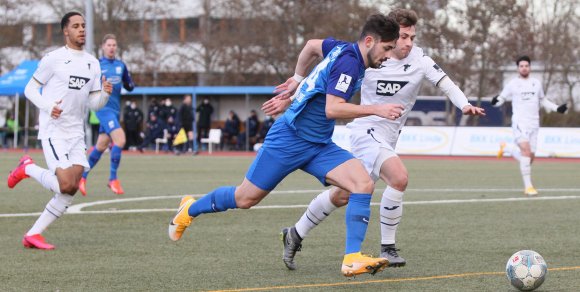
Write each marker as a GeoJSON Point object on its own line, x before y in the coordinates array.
{"type": "Point", "coordinates": [364, 186]}
{"type": "Point", "coordinates": [68, 187]}
{"type": "Point", "coordinates": [339, 198]}
{"type": "Point", "coordinates": [400, 182]}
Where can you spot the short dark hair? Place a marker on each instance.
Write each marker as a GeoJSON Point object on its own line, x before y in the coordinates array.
{"type": "Point", "coordinates": [404, 17]}
{"type": "Point", "coordinates": [523, 58]}
{"type": "Point", "coordinates": [383, 27]}
{"type": "Point", "coordinates": [66, 19]}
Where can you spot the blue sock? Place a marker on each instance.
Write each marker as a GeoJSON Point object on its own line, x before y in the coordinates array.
{"type": "Point", "coordinates": [115, 161]}
{"type": "Point", "coordinates": [93, 159]}
{"type": "Point", "coordinates": [215, 201]}
{"type": "Point", "coordinates": [357, 216]}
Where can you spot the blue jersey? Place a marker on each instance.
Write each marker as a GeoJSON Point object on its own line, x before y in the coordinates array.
{"type": "Point", "coordinates": [117, 73]}
{"type": "Point", "coordinates": [340, 74]}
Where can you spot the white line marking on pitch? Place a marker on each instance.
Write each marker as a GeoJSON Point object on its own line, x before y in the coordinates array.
{"type": "Point", "coordinates": [78, 208]}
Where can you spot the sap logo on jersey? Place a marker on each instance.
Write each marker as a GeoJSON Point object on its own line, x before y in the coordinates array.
{"type": "Point", "coordinates": [389, 88]}
{"type": "Point", "coordinates": [76, 82]}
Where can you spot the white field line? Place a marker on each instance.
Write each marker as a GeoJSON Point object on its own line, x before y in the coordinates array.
{"type": "Point", "coordinates": [78, 208]}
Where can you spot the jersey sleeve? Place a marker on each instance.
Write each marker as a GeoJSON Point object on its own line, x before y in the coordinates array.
{"type": "Point", "coordinates": [97, 73]}
{"type": "Point", "coordinates": [433, 72]}
{"type": "Point", "coordinates": [343, 77]}
{"type": "Point", "coordinates": [506, 92]}
{"type": "Point", "coordinates": [127, 80]}
{"type": "Point", "coordinates": [541, 94]}
{"type": "Point", "coordinates": [328, 44]}
{"type": "Point", "coordinates": [45, 70]}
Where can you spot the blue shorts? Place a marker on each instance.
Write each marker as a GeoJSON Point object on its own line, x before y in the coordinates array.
{"type": "Point", "coordinates": [109, 122]}
{"type": "Point", "coordinates": [284, 152]}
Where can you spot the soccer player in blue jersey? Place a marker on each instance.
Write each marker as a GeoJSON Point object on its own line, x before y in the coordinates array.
{"type": "Point", "coordinates": [301, 138]}
{"type": "Point", "coordinates": [117, 73]}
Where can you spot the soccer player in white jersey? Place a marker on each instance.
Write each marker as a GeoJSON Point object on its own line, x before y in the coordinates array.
{"type": "Point", "coordinates": [373, 138]}
{"type": "Point", "coordinates": [526, 94]}
{"type": "Point", "coordinates": [70, 79]}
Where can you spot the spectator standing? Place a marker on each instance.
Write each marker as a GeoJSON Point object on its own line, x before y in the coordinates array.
{"type": "Point", "coordinates": [204, 120]}
{"type": "Point", "coordinates": [186, 119]}
{"type": "Point", "coordinates": [133, 118]}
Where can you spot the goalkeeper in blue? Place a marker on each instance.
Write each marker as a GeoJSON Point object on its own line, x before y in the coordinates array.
{"type": "Point", "coordinates": [110, 129]}
{"type": "Point", "coordinates": [301, 138]}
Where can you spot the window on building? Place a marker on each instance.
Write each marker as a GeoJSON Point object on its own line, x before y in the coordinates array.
{"type": "Point", "coordinates": [12, 35]}
{"type": "Point", "coordinates": [191, 30]}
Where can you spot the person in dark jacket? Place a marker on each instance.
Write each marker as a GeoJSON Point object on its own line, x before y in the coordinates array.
{"type": "Point", "coordinates": [252, 125]}
{"type": "Point", "coordinates": [133, 118]}
{"type": "Point", "coordinates": [186, 119]}
{"type": "Point", "coordinates": [204, 120]}
{"type": "Point", "coordinates": [231, 129]}
{"type": "Point", "coordinates": [155, 128]}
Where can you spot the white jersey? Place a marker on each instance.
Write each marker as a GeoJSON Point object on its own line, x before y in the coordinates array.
{"type": "Point", "coordinates": [526, 96]}
{"type": "Point", "coordinates": [399, 82]}
{"type": "Point", "coordinates": [67, 75]}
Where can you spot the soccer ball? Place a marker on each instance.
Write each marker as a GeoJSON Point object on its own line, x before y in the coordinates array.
{"type": "Point", "coordinates": [526, 270]}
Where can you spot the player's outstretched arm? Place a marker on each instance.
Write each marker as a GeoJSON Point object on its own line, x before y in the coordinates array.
{"type": "Point", "coordinates": [546, 103]}
{"type": "Point", "coordinates": [338, 108]}
{"type": "Point", "coordinates": [309, 54]}
{"type": "Point", "coordinates": [473, 110]}
{"type": "Point", "coordinates": [276, 106]}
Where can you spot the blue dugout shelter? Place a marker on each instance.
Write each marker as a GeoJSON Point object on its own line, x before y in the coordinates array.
{"type": "Point", "coordinates": [196, 91]}
{"type": "Point", "coordinates": [13, 84]}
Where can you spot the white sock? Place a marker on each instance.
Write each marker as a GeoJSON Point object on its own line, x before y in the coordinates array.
{"type": "Point", "coordinates": [515, 151]}
{"type": "Point", "coordinates": [526, 170]}
{"type": "Point", "coordinates": [53, 210]}
{"type": "Point", "coordinates": [44, 176]}
{"type": "Point", "coordinates": [317, 211]}
{"type": "Point", "coordinates": [391, 212]}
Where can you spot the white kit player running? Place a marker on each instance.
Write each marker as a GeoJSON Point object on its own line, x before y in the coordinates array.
{"type": "Point", "coordinates": [373, 138]}
{"type": "Point", "coordinates": [70, 80]}
{"type": "Point", "coordinates": [526, 94]}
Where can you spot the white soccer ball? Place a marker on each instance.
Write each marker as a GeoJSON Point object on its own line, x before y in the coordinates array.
{"type": "Point", "coordinates": [526, 270]}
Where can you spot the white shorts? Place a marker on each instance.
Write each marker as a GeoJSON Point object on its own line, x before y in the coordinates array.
{"type": "Point", "coordinates": [526, 134]}
{"type": "Point", "coordinates": [64, 153]}
{"type": "Point", "coordinates": [372, 146]}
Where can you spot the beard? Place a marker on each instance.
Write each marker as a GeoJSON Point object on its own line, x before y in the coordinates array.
{"type": "Point", "coordinates": [371, 61]}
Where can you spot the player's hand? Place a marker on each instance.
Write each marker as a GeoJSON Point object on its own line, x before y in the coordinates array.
{"type": "Point", "coordinates": [286, 89]}
{"type": "Point", "coordinates": [56, 110]}
{"type": "Point", "coordinates": [391, 111]}
{"type": "Point", "coordinates": [275, 106]}
{"type": "Point", "coordinates": [107, 86]}
{"type": "Point", "coordinates": [562, 108]}
{"type": "Point", "coordinates": [494, 100]}
{"type": "Point", "coordinates": [473, 110]}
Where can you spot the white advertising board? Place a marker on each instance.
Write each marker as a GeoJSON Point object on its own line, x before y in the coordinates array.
{"type": "Point", "coordinates": [473, 141]}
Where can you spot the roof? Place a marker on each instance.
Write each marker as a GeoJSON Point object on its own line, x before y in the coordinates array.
{"type": "Point", "coordinates": [15, 81]}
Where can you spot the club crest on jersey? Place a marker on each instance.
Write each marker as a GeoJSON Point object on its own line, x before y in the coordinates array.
{"type": "Point", "coordinates": [76, 82]}
{"type": "Point", "coordinates": [389, 88]}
